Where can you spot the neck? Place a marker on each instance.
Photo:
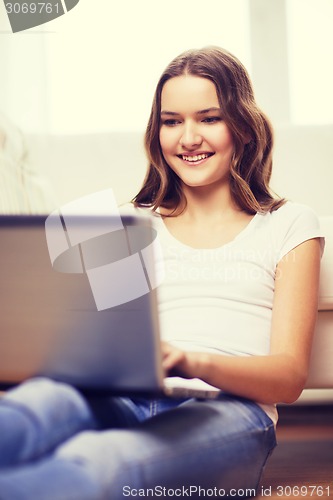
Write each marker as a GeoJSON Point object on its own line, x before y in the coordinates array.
{"type": "Point", "coordinates": [207, 201]}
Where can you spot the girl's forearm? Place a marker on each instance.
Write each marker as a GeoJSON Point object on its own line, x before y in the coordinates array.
{"type": "Point", "coordinates": [266, 379]}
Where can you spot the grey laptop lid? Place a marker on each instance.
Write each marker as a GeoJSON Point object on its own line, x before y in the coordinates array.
{"type": "Point", "coordinates": [52, 323]}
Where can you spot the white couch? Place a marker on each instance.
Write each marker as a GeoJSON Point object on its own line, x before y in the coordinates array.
{"type": "Point", "coordinates": [82, 164]}
{"type": "Point", "coordinates": [321, 368]}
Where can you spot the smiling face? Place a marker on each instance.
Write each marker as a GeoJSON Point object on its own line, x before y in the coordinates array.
{"type": "Point", "coordinates": [196, 142]}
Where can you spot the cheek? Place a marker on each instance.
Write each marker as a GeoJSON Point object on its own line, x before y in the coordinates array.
{"type": "Point", "coordinates": [223, 142]}
{"type": "Point", "coordinates": [165, 141]}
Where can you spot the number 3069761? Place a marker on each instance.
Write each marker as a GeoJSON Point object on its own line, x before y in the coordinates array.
{"type": "Point", "coordinates": [32, 7]}
{"type": "Point", "coordinates": [303, 491]}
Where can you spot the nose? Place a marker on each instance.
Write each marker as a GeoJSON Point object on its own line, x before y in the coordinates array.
{"type": "Point", "coordinates": [191, 137]}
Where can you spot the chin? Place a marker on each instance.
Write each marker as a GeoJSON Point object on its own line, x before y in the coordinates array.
{"type": "Point", "coordinates": [201, 183]}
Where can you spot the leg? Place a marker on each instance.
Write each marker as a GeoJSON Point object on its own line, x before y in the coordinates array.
{"type": "Point", "coordinates": [221, 444]}
{"type": "Point", "coordinates": [38, 415]}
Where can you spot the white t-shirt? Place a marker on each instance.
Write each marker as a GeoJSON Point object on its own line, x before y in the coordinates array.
{"type": "Point", "coordinates": [220, 300]}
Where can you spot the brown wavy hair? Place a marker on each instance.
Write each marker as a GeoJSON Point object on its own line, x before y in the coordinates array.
{"type": "Point", "coordinates": [251, 164]}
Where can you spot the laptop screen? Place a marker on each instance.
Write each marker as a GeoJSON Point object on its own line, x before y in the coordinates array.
{"type": "Point", "coordinates": [75, 310]}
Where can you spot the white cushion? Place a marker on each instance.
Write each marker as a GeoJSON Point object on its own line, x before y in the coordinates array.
{"type": "Point", "coordinates": [326, 274]}
{"type": "Point", "coordinates": [321, 364]}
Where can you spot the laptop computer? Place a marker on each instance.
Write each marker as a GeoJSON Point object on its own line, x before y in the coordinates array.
{"type": "Point", "coordinates": [79, 304]}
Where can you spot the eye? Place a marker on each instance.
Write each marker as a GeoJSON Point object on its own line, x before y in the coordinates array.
{"type": "Point", "coordinates": [170, 122]}
{"type": "Point", "coordinates": [212, 119]}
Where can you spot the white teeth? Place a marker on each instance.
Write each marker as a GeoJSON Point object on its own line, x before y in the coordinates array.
{"type": "Point", "coordinates": [195, 158]}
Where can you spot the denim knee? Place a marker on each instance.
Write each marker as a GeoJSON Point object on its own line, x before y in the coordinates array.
{"type": "Point", "coordinates": [37, 416]}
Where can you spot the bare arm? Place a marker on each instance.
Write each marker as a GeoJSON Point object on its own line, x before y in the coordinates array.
{"type": "Point", "coordinates": [281, 375]}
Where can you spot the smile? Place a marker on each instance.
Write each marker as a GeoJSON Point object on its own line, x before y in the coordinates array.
{"type": "Point", "coordinates": [196, 157]}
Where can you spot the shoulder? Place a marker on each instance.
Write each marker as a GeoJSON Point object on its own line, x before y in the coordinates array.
{"type": "Point", "coordinates": [142, 212]}
{"type": "Point", "coordinates": [290, 217]}
{"type": "Point", "coordinates": [293, 223]}
{"type": "Point", "coordinates": [130, 209]}
{"type": "Point", "coordinates": [292, 211]}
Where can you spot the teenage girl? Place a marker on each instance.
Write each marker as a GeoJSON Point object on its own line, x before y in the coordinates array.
{"type": "Point", "coordinates": [237, 306]}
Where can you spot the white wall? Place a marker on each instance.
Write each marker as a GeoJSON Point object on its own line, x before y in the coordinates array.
{"type": "Point", "coordinates": [94, 70]}
{"type": "Point", "coordinates": [303, 165]}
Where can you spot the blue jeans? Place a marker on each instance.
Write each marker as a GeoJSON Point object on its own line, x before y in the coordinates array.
{"type": "Point", "coordinates": [57, 445]}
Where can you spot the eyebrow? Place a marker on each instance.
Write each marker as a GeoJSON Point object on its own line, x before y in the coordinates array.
{"type": "Point", "coordinates": [201, 112]}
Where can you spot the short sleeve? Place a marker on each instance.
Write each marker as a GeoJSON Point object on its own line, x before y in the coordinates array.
{"type": "Point", "coordinates": [294, 224]}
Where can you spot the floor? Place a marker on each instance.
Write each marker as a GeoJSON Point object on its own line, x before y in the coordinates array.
{"type": "Point", "coordinates": [302, 464]}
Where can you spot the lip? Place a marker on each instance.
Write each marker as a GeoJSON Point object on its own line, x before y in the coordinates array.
{"type": "Point", "coordinates": [195, 153]}
{"type": "Point", "coordinates": [192, 154]}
